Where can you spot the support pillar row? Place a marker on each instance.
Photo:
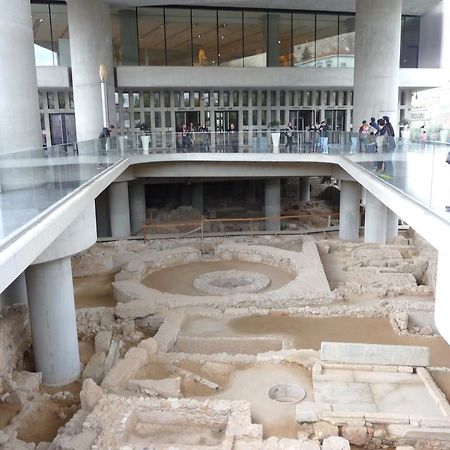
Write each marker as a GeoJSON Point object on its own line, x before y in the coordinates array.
{"type": "Point", "coordinates": [119, 209]}
{"type": "Point", "coordinates": [52, 318]}
{"type": "Point", "coordinates": [349, 217]}
{"type": "Point", "coordinates": [375, 220]}
{"type": "Point", "coordinates": [138, 212]}
{"type": "Point", "coordinates": [304, 189]}
{"type": "Point", "coordinates": [272, 204]}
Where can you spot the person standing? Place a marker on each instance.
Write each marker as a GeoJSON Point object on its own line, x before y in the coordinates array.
{"type": "Point", "coordinates": [423, 138]}
{"type": "Point", "coordinates": [104, 135]}
{"type": "Point", "coordinates": [323, 131]}
{"type": "Point", "coordinates": [289, 137]}
{"type": "Point", "coordinates": [106, 132]}
{"type": "Point", "coordinates": [373, 124]}
{"type": "Point", "coordinates": [363, 135]}
{"type": "Point", "coordinates": [184, 138]}
{"type": "Point", "coordinates": [234, 138]}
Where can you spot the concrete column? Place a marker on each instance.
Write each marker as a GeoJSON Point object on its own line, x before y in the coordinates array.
{"type": "Point", "coordinates": [375, 220]}
{"type": "Point", "coordinates": [138, 210]}
{"type": "Point", "coordinates": [442, 294]}
{"type": "Point", "coordinates": [102, 214]}
{"type": "Point", "coordinates": [128, 37]}
{"type": "Point", "coordinates": [304, 188]}
{"type": "Point", "coordinates": [20, 122]}
{"type": "Point", "coordinates": [53, 322]}
{"type": "Point", "coordinates": [272, 203]}
{"type": "Point", "coordinates": [197, 196]}
{"type": "Point", "coordinates": [119, 209]}
{"type": "Point", "coordinates": [391, 226]}
{"type": "Point", "coordinates": [349, 218]}
{"type": "Point", "coordinates": [376, 71]}
{"type": "Point", "coordinates": [15, 293]}
{"type": "Point", "coordinates": [90, 46]}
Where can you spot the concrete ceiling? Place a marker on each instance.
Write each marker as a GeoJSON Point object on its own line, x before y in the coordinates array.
{"type": "Point", "coordinates": [413, 7]}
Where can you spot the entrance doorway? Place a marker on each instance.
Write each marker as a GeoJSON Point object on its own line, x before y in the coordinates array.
{"type": "Point", "coordinates": [187, 117]}
{"type": "Point", "coordinates": [302, 119]}
{"type": "Point", "coordinates": [62, 128]}
{"type": "Point", "coordinates": [223, 120]}
{"type": "Point", "coordinates": [336, 119]}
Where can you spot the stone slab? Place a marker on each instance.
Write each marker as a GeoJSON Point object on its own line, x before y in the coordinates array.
{"type": "Point", "coordinates": [342, 392]}
{"type": "Point", "coordinates": [400, 355]}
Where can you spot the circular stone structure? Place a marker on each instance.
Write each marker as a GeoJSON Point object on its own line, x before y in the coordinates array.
{"type": "Point", "coordinates": [286, 393]}
{"type": "Point", "coordinates": [229, 282]}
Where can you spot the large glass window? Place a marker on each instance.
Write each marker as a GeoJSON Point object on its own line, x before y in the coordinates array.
{"type": "Point", "coordinates": [230, 38]}
{"type": "Point", "coordinates": [255, 38]}
{"type": "Point", "coordinates": [303, 37]}
{"type": "Point", "coordinates": [279, 51]}
{"type": "Point", "coordinates": [327, 32]}
{"type": "Point", "coordinates": [204, 37]}
{"type": "Point", "coordinates": [125, 36]}
{"type": "Point", "coordinates": [409, 51]}
{"type": "Point", "coordinates": [346, 41]}
{"type": "Point", "coordinates": [43, 44]}
{"type": "Point", "coordinates": [151, 37]}
{"type": "Point", "coordinates": [178, 37]}
{"type": "Point", "coordinates": [60, 34]}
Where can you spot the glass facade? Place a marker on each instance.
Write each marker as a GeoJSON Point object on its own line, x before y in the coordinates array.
{"type": "Point", "coordinates": [51, 34]}
{"type": "Point", "coordinates": [175, 36]}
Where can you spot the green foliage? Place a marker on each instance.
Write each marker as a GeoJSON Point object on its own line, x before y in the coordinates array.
{"type": "Point", "coordinates": [274, 125]}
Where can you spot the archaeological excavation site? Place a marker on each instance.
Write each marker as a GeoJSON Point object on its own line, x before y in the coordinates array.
{"type": "Point", "coordinates": [236, 338]}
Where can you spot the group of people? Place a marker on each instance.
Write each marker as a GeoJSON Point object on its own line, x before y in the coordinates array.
{"type": "Point", "coordinates": [189, 135]}
{"type": "Point", "coordinates": [378, 136]}
{"type": "Point", "coordinates": [318, 137]}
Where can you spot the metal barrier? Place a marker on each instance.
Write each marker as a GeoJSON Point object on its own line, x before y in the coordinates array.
{"type": "Point", "coordinates": [201, 225]}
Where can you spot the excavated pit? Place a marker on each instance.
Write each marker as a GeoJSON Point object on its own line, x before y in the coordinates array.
{"type": "Point", "coordinates": [187, 274]}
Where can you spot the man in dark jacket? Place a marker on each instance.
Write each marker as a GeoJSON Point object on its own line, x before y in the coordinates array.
{"type": "Point", "coordinates": [106, 132]}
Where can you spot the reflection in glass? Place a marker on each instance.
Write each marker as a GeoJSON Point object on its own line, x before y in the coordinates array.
{"type": "Point", "coordinates": [136, 101]}
{"type": "Point", "coordinates": [205, 98]}
{"type": "Point", "coordinates": [255, 38]}
{"type": "Point", "coordinates": [327, 32]}
{"type": "Point", "coordinates": [346, 41]}
{"type": "Point", "coordinates": [279, 38]}
{"type": "Point", "coordinates": [204, 37]}
{"type": "Point", "coordinates": [157, 99]}
{"type": "Point", "coordinates": [126, 119]}
{"type": "Point", "coordinates": [230, 38]}
{"type": "Point", "coordinates": [147, 121]}
{"type": "Point", "coordinates": [235, 98]}
{"type": "Point", "coordinates": [51, 100]}
{"type": "Point", "coordinates": [151, 36]}
{"type": "Point", "coordinates": [166, 99]}
{"type": "Point", "coordinates": [409, 50]}
{"type": "Point", "coordinates": [146, 96]}
{"type": "Point", "coordinates": [61, 100]}
{"type": "Point", "coordinates": [137, 120]}
{"type": "Point", "coordinates": [304, 47]}
{"type": "Point", "coordinates": [157, 119]}
{"type": "Point", "coordinates": [178, 37]}
{"type": "Point", "coordinates": [43, 45]}
{"type": "Point", "coordinates": [196, 99]}
{"type": "Point", "coordinates": [125, 36]}
{"type": "Point", "coordinates": [125, 99]}
{"type": "Point", "coordinates": [187, 99]}
{"type": "Point", "coordinates": [60, 34]}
